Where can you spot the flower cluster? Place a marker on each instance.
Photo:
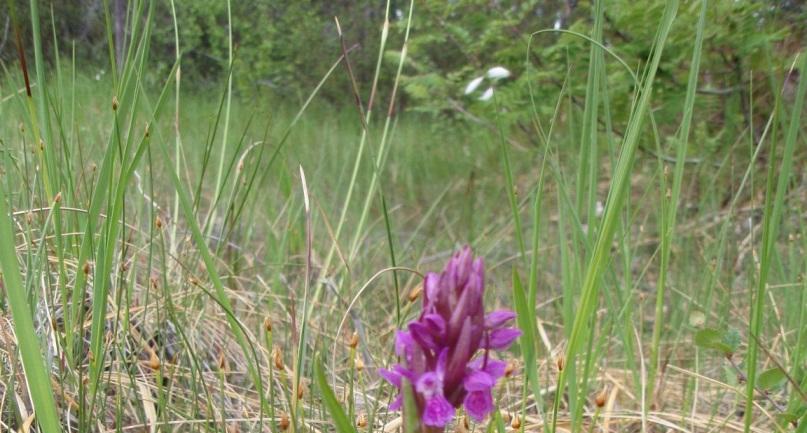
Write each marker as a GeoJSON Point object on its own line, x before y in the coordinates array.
{"type": "Point", "coordinates": [447, 351]}
{"type": "Point", "coordinates": [494, 74]}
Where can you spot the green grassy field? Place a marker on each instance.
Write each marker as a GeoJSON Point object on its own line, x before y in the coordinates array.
{"type": "Point", "coordinates": [176, 260]}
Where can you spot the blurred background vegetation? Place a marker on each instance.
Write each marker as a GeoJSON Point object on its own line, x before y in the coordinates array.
{"type": "Point", "coordinates": [447, 180]}
{"type": "Point", "coordinates": [284, 48]}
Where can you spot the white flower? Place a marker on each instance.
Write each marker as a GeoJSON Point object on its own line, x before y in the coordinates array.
{"type": "Point", "coordinates": [473, 85]}
{"type": "Point", "coordinates": [487, 95]}
{"type": "Point", "coordinates": [557, 24]}
{"type": "Point", "coordinates": [498, 72]}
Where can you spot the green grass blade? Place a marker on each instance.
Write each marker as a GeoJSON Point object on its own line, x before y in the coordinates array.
{"type": "Point", "coordinates": [775, 200]}
{"type": "Point", "coordinates": [669, 204]}
{"type": "Point", "coordinates": [36, 373]}
{"type": "Point", "coordinates": [341, 422]}
{"type": "Point", "coordinates": [616, 197]}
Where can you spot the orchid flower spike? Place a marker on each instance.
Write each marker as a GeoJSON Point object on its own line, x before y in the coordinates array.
{"type": "Point", "coordinates": [447, 353]}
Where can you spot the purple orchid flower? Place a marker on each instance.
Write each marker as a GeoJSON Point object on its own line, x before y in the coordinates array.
{"type": "Point", "coordinates": [446, 352]}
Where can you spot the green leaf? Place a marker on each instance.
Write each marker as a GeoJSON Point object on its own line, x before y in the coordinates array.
{"type": "Point", "coordinates": [340, 420]}
{"type": "Point", "coordinates": [716, 340]}
{"type": "Point", "coordinates": [411, 422]}
{"type": "Point", "coordinates": [770, 379]}
{"type": "Point", "coordinates": [36, 373]}
{"type": "Point", "coordinates": [499, 422]}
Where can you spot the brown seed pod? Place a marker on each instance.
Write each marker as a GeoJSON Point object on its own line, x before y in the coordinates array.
{"type": "Point", "coordinates": [277, 357]}
{"type": "Point", "coordinates": [267, 324]}
{"type": "Point", "coordinates": [361, 421]}
{"type": "Point", "coordinates": [86, 268]}
{"type": "Point", "coordinates": [301, 391]}
{"type": "Point", "coordinates": [284, 422]}
{"type": "Point", "coordinates": [58, 198]}
{"type": "Point", "coordinates": [224, 365]}
{"type": "Point", "coordinates": [154, 360]}
{"type": "Point", "coordinates": [158, 222]}
{"type": "Point", "coordinates": [414, 294]}
{"type": "Point", "coordinates": [516, 423]}
{"type": "Point", "coordinates": [359, 365]}
{"type": "Point", "coordinates": [354, 340]}
{"type": "Point", "coordinates": [114, 103]}
{"type": "Point", "coordinates": [510, 369]}
{"type": "Point", "coordinates": [601, 397]}
{"type": "Point", "coordinates": [561, 362]}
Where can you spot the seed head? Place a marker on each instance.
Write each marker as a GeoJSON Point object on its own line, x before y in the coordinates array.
{"type": "Point", "coordinates": [600, 398]}
{"type": "Point", "coordinates": [284, 422]}
{"type": "Point", "coordinates": [267, 324]}
{"type": "Point", "coordinates": [114, 103]}
{"type": "Point", "coordinates": [561, 362]}
{"type": "Point", "coordinates": [414, 294]}
{"type": "Point", "coordinates": [354, 340]}
{"type": "Point", "coordinates": [510, 369]}
{"type": "Point", "coordinates": [277, 357]}
{"type": "Point", "coordinates": [154, 360]}
{"type": "Point", "coordinates": [516, 422]}
{"type": "Point", "coordinates": [359, 365]}
{"type": "Point", "coordinates": [361, 421]}
{"type": "Point", "coordinates": [224, 365]}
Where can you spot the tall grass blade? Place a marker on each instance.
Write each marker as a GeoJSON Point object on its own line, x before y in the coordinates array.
{"type": "Point", "coordinates": [775, 199]}
{"type": "Point", "coordinates": [341, 422]}
{"type": "Point", "coordinates": [616, 197]}
{"type": "Point", "coordinates": [36, 373]}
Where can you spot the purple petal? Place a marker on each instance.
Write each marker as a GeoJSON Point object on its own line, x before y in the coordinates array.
{"type": "Point", "coordinates": [422, 335]}
{"type": "Point", "coordinates": [431, 287]}
{"type": "Point", "coordinates": [478, 268]}
{"type": "Point", "coordinates": [460, 354]}
{"type": "Point", "coordinates": [396, 404]}
{"type": "Point", "coordinates": [442, 360]}
{"type": "Point", "coordinates": [499, 318]}
{"type": "Point", "coordinates": [502, 338]}
{"type": "Point", "coordinates": [403, 343]}
{"type": "Point", "coordinates": [429, 384]}
{"type": "Point", "coordinates": [478, 404]}
{"type": "Point", "coordinates": [438, 412]}
{"type": "Point", "coordinates": [495, 368]}
{"type": "Point", "coordinates": [436, 324]}
{"type": "Point", "coordinates": [477, 380]}
{"type": "Point", "coordinates": [393, 377]}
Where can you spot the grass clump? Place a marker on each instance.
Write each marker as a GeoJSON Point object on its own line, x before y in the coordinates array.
{"type": "Point", "coordinates": [174, 260]}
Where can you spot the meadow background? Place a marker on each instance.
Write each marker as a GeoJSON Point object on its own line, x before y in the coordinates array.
{"type": "Point", "coordinates": [214, 215]}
